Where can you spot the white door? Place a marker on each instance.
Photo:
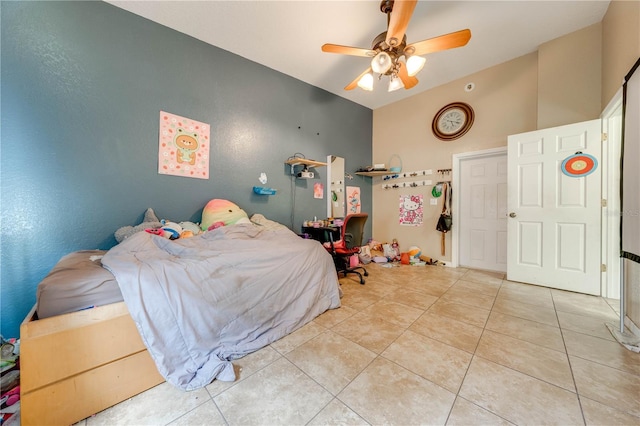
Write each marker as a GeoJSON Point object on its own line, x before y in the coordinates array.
{"type": "Point", "coordinates": [483, 212]}
{"type": "Point", "coordinates": [554, 219]}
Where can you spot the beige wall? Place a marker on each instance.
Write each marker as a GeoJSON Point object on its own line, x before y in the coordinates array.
{"type": "Point", "coordinates": [514, 97]}
{"type": "Point", "coordinates": [569, 76]}
{"type": "Point", "coordinates": [620, 45]}
{"type": "Point", "coordinates": [504, 101]}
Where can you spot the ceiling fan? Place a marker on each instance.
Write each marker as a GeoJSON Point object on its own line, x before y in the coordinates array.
{"type": "Point", "coordinates": [389, 50]}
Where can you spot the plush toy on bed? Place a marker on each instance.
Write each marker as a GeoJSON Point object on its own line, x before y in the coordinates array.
{"type": "Point", "coordinates": [219, 212]}
{"type": "Point", "coordinates": [189, 229]}
{"type": "Point", "coordinates": [174, 230]}
{"type": "Point", "coordinates": [150, 221]}
{"type": "Point", "coordinates": [171, 230]}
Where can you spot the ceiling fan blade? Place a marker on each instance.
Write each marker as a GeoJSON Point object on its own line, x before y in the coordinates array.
{"type": "Point", "coordinates": [346, 50]}
{"type": "Point", "coordinates": [399, 21]}
{"type": "Point", "coordinates": [436, 44]}
{"type": "Point", "coordinates": [354, 83]}
{"type": "Point", "coordinates": [408, 82]}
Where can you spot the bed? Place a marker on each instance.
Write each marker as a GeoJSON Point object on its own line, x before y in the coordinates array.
{"type": "Point", "coordinates": [190, 308]}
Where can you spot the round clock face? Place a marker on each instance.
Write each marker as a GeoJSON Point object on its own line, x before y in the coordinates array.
{"type": "Point", "coordinates": [452, 121]}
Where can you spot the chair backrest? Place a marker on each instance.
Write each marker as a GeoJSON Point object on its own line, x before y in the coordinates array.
{"type": "Point", "coordinates": [353, 229]}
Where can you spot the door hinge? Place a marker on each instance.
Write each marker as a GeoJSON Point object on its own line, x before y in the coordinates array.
{"type": "Point", "coordinates": [604, 137]}
{"type": "Point", "coordinates": [603, 268]}
{"type": "Point", "coordinates": [604, 203]}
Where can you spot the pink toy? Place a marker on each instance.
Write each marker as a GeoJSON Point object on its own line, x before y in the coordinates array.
{"type": "Point", "coordinates": [215, 225]}
{"type": "Point", "coordinates": [10, 397]}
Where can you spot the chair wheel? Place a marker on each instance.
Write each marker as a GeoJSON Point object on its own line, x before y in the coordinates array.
{"type": "Point", "coordinates": [361, 280]}
{"type": "Point", "coordinates": [366, 274]}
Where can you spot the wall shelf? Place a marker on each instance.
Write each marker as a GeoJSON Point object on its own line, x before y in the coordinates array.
{"type": "Point", "coordinates": [399, 175]}
{"type": "Point", "coordinates": [296, 161]}
{"type": "Point", "coordinates": [261, 190]}
{"type": "Point", "coordinates": [304, 161]}
{"type": "Point", "coordinates": [377, 173]}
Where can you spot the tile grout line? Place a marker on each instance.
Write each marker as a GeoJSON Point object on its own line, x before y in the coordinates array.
{"type": "Point", "coordinates": [566, 350]}
{"type": "Point", "coordinates": [473, 356]}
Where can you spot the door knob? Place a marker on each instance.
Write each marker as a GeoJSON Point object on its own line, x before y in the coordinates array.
{"type": "Point", "coordinates": [512, 214]}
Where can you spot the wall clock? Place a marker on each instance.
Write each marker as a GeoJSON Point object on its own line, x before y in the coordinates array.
{"type": "Point", "coordinates": [452, 121]}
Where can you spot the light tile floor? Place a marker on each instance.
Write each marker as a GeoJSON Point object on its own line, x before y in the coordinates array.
{"type": "Point", "coordinates": [423, 345]}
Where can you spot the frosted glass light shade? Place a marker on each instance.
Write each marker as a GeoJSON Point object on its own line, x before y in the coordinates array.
{"type": "Point", "coordinates": [381, 63]}
{"type": "Point", "coordinates": [395, 83]}
{"type": "Point", "coordinates": [366, 82]}
{"type": "Point", "coordinates": [415, 64]}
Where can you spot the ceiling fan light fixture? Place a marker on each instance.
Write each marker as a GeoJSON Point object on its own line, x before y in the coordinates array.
{"type": "Point", "coordinates": [415, 64]}
{"type": "Point", "coordinates": [381, 63]}
{"type": "Point", "coordinates": [366, 82]}
{"type": "Point", "coordinates": [395, 83]}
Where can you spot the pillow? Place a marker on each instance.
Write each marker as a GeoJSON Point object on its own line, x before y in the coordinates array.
{"type": "Point", "coordinates": [224, 211]}
{"type": "Point", "coordinates": [77, 281]}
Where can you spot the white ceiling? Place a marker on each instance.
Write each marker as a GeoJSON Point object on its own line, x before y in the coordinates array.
{"type": "Point", "coordinates": [287, 35]}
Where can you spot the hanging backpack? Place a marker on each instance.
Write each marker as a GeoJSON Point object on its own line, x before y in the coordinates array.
{"type": "Point", "coordinates": [445, 221]}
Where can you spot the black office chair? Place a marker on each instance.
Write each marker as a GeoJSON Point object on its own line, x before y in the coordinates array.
{"type": "Point", "coordinates": [349, 244]}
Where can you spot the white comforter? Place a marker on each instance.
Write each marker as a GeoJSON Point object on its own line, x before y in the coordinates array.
{"type": "Point", "coordinates": [203, 301]}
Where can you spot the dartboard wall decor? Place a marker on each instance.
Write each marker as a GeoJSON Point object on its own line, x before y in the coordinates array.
{"type": "Point", "coordinates": [579, 164]}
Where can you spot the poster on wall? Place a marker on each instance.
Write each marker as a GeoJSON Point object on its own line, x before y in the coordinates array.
{"type": "Point", "coordinates": [411, 210]}
{"type": "Point", "coordinates": [183, 148]}
{"type": "Point", "coordinates": [318, 190]}
{"type": "Point", "coordinates": [353, 199]}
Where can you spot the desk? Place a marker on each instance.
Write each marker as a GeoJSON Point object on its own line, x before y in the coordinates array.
{"type": "Point", "coordinates": [324, 234]}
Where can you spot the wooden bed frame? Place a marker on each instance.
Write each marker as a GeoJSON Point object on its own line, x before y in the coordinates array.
{"type": "Point", "coordinates": [75, 365]}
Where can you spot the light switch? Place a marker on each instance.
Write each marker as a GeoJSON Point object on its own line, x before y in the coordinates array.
{"type": "Point", "coordinates": [433, 201]}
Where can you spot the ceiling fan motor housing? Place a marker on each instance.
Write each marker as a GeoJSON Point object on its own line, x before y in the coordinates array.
{"type": "Point", "coordinates": [378, 45]}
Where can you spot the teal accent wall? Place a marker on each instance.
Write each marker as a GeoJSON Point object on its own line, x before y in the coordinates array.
{"type": "Point", "coordinates": [82, 87]}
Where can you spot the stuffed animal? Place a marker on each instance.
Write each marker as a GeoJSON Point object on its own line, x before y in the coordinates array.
{"type": "Point", "coordinates": [171, 230]}
{"type": "Point", "coordinates": [150, 221]}
{"type": "Point", "coordinates": [225, 211]}
{"type": "Point", "coordinates": [189, 229]}
{"type": "Point", "coordinates": [415, 251]}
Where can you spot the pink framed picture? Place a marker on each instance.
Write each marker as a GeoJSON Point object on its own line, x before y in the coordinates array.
{"type": "Point", "coordinates": [353, 199]}
{"type": "Point", "coordinates": [411, 210]}
{"type": "Point", "coordinates": [183, 148]}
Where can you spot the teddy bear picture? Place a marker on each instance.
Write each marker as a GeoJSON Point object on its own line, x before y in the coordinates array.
{"type": "Point", "coordinates": [186, 145]}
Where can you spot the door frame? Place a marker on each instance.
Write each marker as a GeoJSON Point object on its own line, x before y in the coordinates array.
{"type": "Point", "coordinates": [456, 182]}
{"type": "Point", "coordinates": [611, 154]}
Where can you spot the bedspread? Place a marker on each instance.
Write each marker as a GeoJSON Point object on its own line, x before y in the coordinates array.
{"type": "Point", "coordinates": [203, 301]}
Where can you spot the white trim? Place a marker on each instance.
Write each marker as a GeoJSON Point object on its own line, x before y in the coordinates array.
{"type": "Point", "coordinates": [610, 163]}
{"type": "Point", "coordinates": [455, 201]}
{"type": "Point", "coordinates": [327, 188]}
